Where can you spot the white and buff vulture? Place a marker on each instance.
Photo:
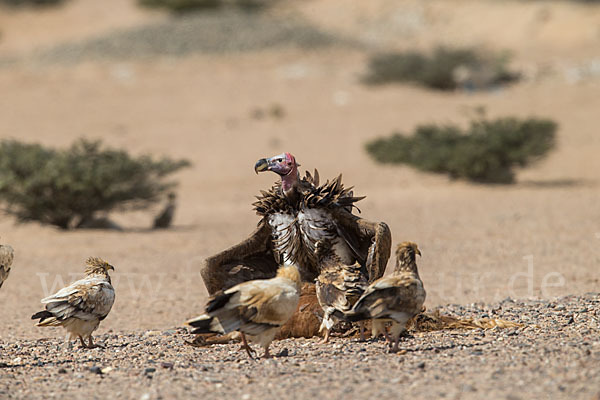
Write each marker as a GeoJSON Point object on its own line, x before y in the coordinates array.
{"type": "Point", "coordinates": [257, 308]}
{"type": "Point", "coordinates": [338, 286]}
{"type": "Point", "coordinates": [296, 213]}
{"type": "Point", "coordinates": [7, 255]}
{"type": "Point", "coordinates": [81, 306]}
{"type": "Point", "coordinates": [395, 298]}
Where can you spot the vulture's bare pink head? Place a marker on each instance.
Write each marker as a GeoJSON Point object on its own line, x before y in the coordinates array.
{"type": "Point", "coordinates": [284, 165]}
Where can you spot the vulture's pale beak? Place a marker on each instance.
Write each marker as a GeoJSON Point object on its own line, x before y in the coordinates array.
{"type": "Point", "coordinates": [261, 165]}
{"type": "Point", "coordinates": [110, 267]}
{"type": "Point", "coordinates": [417, 251]}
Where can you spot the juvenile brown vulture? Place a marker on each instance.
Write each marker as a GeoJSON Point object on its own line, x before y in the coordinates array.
{"type": "Point", "coordinates": [395, 298]}
{"type": "Point", "coordinates": [338, 287]}
{"type": "Point", "coordinates": [295, 214]}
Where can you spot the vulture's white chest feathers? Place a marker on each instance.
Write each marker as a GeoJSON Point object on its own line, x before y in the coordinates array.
{"type": "Point", "coordinates": [295, 236]}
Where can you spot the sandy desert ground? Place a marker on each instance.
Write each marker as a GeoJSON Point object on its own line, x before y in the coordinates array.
{"type": "Point", "coordinates": [81, 71]}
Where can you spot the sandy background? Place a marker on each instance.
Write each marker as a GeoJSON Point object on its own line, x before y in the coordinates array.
{"type": "Point", "coordinates": [538, 238]}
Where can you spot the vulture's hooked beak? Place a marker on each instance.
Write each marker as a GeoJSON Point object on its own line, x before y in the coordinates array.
{"type": "Point", "coordinates": [417, 251]}
{"type": "Point", "coordinates": [110, 267]}
{"type": "Point", "coordinates": [261, 165]}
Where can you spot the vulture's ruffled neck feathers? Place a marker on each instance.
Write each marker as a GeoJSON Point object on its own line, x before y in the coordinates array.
{"type": "Point", "coordinates": [305, 193]}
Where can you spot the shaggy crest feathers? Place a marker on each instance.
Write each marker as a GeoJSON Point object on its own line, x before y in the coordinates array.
{"type": "Point", "coordinates": [96, 265]}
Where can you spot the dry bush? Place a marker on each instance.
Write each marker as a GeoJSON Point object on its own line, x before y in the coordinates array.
{"type": "Point", "coordinates": [64, 187]}
{"type": "Point", "coordinates": [443, 69]}
{"type": "Point", "coordinates": [487, 152]}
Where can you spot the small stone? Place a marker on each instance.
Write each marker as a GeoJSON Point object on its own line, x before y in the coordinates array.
{"type": "Point", "coordinates": [468, 388]}
{"type": "Point", "coordinates": [421, 365]}
{"type": "Point", "coordinates": [96, 370]}
{"type": "Point", "coordinates": [62, 371]}
{"type": "Point", "coordinates": [149, 370]}
{"type": "Point", "coordinates": [283, 353]}
{"type": "Point", "coordinates": [168, 365]}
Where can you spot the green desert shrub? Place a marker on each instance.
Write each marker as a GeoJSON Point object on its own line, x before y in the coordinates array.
{"type": "Point", "coordinates": [182, 6]}
{"type": "Point", "coordinates": [486, 152]}
{"type": "Point", "coordinates": [64, 187]}
{"type": "Point", "coordinates": [443, 69]}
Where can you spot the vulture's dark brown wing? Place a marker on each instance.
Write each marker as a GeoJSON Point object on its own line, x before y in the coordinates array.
{"type": "Point", "coordinates": [250, 259]}
{"type": "Point", "coordinates": [371, 242]}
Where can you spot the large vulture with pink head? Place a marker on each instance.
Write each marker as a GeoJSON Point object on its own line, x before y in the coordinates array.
{"type": "Point", "coordinates": [295, 214]}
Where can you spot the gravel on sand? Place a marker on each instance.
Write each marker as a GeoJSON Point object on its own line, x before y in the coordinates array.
{"type": "Point", "coordinates": [555, 354]}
